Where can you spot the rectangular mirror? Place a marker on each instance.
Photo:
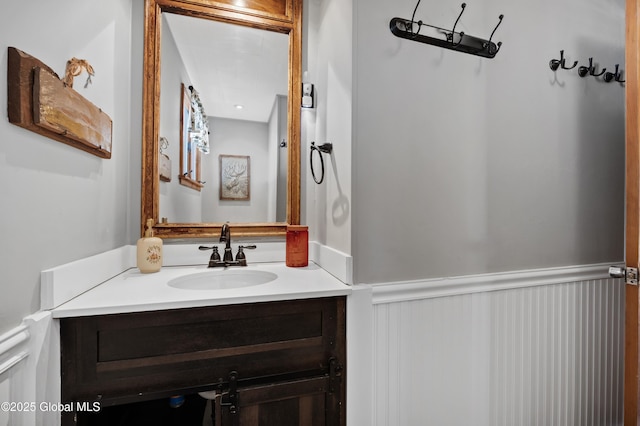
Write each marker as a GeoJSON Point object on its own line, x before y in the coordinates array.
{"type": "Point", "coordinates": [241, 66]}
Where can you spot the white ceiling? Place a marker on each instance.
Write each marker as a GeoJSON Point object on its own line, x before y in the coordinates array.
{"type": "Point", "coordinates": [232, 65]}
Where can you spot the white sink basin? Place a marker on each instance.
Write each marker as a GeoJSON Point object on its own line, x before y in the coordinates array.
{"type": "Point", "coordinates": [222, 279]}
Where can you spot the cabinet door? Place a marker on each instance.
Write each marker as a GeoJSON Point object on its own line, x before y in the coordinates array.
{"type": "Point", "coordinates": [304, 402]}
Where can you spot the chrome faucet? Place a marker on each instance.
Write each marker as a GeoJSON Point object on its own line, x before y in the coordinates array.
{"type": "Point", "coordinates": [225, 237]}
{"type": "Point", "coordinates": [227, 259]}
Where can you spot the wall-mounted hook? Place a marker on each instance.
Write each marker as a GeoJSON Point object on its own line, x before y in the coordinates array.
{"type": "Point", "coordinates": [562, 62]}
{"type": "Point", "coordinates": [610, 76]}
{"type": "Point", "coordinates": [554, 64]}
{"type": "Point", "coordinates": [451, 37]}
{"type": "Point", "coordinates": [590, 70]}
{"type": "Point", "coordinates": [413, 17]}
{"type": "Point", "coordinates": [584, 71]}
{"type": "Point", "coordinates": [488, 44]}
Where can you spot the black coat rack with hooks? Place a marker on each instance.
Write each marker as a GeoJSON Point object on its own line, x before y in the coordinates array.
{"type": "Point", "coordinates": [590, 70]}
{"type": "Point", "coordinates": [458, 41]}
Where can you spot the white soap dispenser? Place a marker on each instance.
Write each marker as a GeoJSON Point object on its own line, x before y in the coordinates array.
{"type": "Point", "coordinates": [149, 257]}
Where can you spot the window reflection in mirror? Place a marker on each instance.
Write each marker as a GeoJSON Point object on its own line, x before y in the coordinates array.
{"type": "Point", "coordinates": [190, 148]}
{"type": "Point", "coordinates": [241, 75]}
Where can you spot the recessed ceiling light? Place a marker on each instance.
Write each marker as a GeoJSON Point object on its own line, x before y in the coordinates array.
{"type": "Point", "coordinates": [239, 106]}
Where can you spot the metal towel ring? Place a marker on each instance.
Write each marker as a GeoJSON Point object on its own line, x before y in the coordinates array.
{"type": "Point", "coordinates": [326, 148]}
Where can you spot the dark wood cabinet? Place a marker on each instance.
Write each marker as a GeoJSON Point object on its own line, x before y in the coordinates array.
{"type": "Point", "coordinates": [308, 402]}
{"type": "Point", "coordinates": [274, 363]}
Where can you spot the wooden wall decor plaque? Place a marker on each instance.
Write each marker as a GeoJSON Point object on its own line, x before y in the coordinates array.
{"type": "Point", "coordinates": [39, 101]}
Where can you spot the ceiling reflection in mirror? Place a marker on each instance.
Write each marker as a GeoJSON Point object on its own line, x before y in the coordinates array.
{"type": "Point", "coordinates": [240, 75]}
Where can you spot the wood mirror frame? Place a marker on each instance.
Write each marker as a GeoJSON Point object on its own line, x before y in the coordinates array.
{"type": "Point", "coordinates": [284, 16]}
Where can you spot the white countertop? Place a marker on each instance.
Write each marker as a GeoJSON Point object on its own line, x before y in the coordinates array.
{"type": "Point", "coordinates": [132, 291]}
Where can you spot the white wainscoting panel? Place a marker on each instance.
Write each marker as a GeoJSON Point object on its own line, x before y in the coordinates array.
{"type": "Point", "coordinates": [5, 395]}
{"type": "Point", "coordinates": [544, 355]}
{"type": "Point", "coordinates": [359, 356]}
{"type": "Point", "coordinates": [30, 372]}
{"type": "Point", "coordinates": [14, 351]}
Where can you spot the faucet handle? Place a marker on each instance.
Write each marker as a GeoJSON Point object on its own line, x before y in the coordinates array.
{"type": "Point", "coordinates": [240, 257]}
{"type": "Point", "coordinates": [215, 256]}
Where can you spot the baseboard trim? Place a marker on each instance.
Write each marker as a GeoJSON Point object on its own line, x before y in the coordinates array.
{"type": "Point", "coordinates": [452, 286]}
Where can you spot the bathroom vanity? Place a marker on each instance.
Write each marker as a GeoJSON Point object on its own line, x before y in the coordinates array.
{"type": "Point", "coordinates": [265, 354]}
{"type": "Point", "coordinates": [267, 345]}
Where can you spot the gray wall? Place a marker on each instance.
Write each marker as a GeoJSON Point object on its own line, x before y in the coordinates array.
{"type": "Point", "coordinates": [236, 137]}
{"type": "Point", "coordinates": [178, 203]}
{"type": "Point", "coordinates": [463, 165]}
{"type": "Point", "coordinates": [328, 59]}
{"type": "Point", "coordinates": [277, 160]}
{"type": "Point", "coordinates": [282, 123]}
{"type": "Point", "coordinates": [60, 204]}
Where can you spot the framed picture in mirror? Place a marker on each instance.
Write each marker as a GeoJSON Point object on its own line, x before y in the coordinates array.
{"type": "Point", "coordinates": [235, 177]}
